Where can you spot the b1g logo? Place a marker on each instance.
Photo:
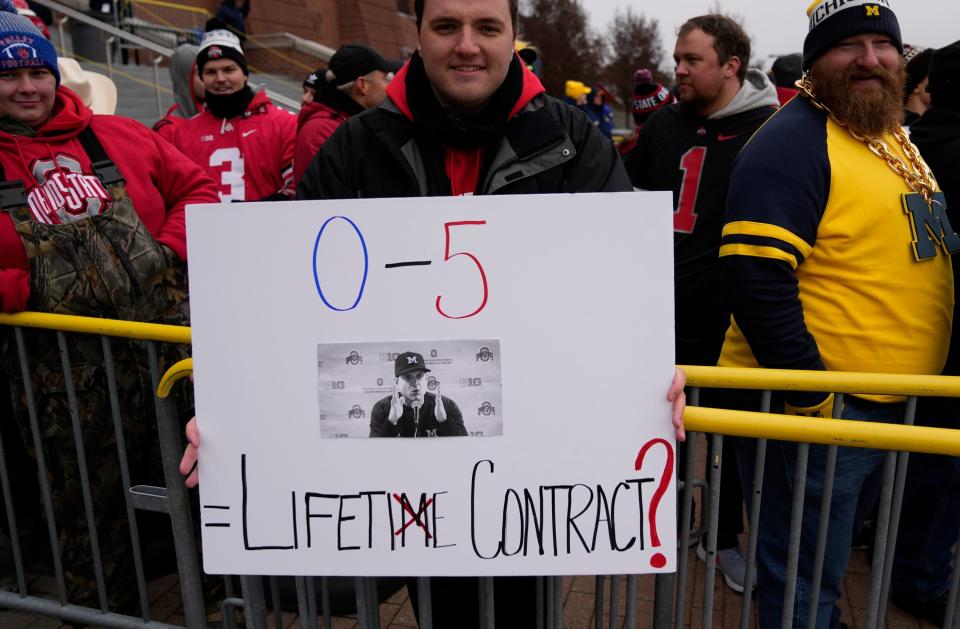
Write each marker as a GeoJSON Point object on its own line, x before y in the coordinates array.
{"type": "Point", "coordinates": [356, 412]}
{"type": "Point", "coordinates": [487, 409]}
{"type": "Point", "coordinates": [471, 382]}
{"type": "Point", "coordinates": [477, 433]}
{"type": "Point", "coordinates": [389, 357]}
{"type": "Point", "coordinates": [64, 194]}
{"type": "Point", "coordinates": [354, 358]}
{"type": "Point", "coordinates": [484, 355]}
{"type": "Point", "coordinates": [335, 385]}
{"type": "Point", "coordinates": [432, 383]}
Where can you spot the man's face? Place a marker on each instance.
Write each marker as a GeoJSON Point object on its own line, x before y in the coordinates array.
{"type": "Point", "coordinates": [466, 47]}
{"type": "Point", "coordinates": [699, 73]}
{"type": "Point", "coordinates": [374, 89]}
{"type": "Point", "coordinates": [412, 386]}
{"type": "Point", "coordinates": [223, 77]}
{"type": "Point", "coordinates": [861, 81]}
{"type": "Point", "coordinates": [27, 95]}
{"type": "Point", "coordinates": [308, 95]}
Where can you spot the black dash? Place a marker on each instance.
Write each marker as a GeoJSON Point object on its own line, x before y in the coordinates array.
{"type": "Point", "coordinates": [397, 265]}
{"type": "Point", "coordinates": [217, 525]}
{"type": "Point", "coordinates": [216, 507]}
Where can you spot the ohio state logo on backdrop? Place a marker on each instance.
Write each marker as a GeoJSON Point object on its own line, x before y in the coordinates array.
{"type": "Point", "coordinates": [64, 194]}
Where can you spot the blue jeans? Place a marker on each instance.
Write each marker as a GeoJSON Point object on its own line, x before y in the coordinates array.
{"type": "Point", "coordinates": [854, 466]}
{"type": "Point", "coordinates": [930, 518]}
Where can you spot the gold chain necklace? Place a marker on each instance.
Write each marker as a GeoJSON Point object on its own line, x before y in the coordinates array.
{"type": "Point", "coordinates": [916, 175]}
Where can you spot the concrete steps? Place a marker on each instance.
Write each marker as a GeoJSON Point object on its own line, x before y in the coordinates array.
{"type": "Point", "coordinates": [136, 84]}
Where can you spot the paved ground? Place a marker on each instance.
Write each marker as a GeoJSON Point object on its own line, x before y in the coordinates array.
{"type": "Point", "coordinates": [579, 597]}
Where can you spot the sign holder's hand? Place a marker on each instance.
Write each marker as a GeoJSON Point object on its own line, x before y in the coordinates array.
{"type": "Point", "coordinates": [438, 409]}
{"type": "Point", "coordinates": [191, 455]}
{"type": "Point", "coordinates": [679, 400]}
{"type": "Point", "coordinates": [396, 406]}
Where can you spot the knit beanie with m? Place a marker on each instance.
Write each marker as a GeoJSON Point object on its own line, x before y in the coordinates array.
{"type": "Point", "coordinates": [834, 20]}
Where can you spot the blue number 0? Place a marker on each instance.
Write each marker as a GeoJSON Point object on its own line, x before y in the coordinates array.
{"type": "Point", "coordinates": [366, 264]}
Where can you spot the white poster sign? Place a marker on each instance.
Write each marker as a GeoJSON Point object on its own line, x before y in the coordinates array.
{"type": "Point", "coordinates": [442, 386]}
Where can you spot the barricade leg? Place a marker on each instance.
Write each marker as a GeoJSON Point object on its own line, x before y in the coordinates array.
{"type": "Point", "coordinates": [903, 459]}
{"type": "Point", "coordinates": [710, 567]}
{"type": "Point", "coordinates": [754, 500]}
{"type": "Point", "coordinates": [178, 502]}
{"type": "Point", "coordinates": [254, 604]}
{"type": "Point", "coordinates": [36, 439]}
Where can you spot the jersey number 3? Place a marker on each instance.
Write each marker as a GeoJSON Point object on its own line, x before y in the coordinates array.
{"type": "Point", "coordinates": [685, 216]}
{"type": "Point", "coordinates": [231, 177]}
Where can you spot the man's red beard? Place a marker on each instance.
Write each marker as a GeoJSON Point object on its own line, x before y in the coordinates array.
{"type": "Point", "coordinates": [871, 111]}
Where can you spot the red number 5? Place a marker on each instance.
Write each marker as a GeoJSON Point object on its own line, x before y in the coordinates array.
{"type": "Point", "coordinates": [448, 256]}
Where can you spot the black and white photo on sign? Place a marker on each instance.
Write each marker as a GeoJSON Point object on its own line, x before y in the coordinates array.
{"type": "Point", "coordinates": [392, 388]}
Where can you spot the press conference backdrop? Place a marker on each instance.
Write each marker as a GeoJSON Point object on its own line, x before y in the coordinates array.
{"type": "Point", "coordinates": [352, 377]}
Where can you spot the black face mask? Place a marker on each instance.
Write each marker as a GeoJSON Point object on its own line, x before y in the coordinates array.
{"type": "Point", "coordinates": [451, 129]}
{"type": "Point", "coordinates": [229, 105]}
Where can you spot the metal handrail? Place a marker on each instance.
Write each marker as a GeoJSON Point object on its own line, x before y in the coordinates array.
{"type": "Point", "coordinates": [829, 432]}
{"type": "Point", "coordinates": [94, 325]}
{"type": "Point", "coordinates": [175, 5]}
{"type": "Point", "coordinates": [138, 41]}
{"type": "Point", "coordinates": [821, 381]}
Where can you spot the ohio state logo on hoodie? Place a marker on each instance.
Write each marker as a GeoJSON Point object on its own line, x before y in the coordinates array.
{"type": "Point", "coordinates": [63, 193]}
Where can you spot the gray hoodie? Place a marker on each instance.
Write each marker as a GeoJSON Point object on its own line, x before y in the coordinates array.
{"type": "Point", "coordinates": [757, 91]}
{"type": "Point", "coordinates": [181, 67]}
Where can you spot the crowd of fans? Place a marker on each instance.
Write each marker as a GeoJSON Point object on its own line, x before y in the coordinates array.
{"type": "Point", "coordinates": [795, 245]}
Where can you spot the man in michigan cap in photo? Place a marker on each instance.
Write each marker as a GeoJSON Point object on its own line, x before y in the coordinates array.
{"type": "Point", "coordinates": [412, 412]}
{"type": "Point", "coordinates": [833, 260]}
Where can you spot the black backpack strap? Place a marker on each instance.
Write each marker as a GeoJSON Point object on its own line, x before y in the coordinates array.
{"type": "Point", "coordinates": [103, 166]}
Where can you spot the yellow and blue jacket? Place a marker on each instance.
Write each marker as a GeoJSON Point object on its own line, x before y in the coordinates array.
{"type": "Point", "coordinates": [829, 260]}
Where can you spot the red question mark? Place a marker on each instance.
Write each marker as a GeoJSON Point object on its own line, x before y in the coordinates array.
{"type": "Point", "coordinates": [658, 560]}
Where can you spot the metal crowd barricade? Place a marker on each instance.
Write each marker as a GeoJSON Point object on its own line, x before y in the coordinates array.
{"type": "Point", "coordinates": [615, 598]}
{"type": "Point", "coordinates": [172, 499]}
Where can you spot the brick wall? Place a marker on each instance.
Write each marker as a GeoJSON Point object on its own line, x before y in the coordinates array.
{"type": "Point", "coordinates": [332, 22]}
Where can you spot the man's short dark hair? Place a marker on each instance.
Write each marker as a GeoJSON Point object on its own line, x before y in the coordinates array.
{"type": "Point", "coordinates": [729, 39]}
{"type": "Point", "coordinates": [514, 13]}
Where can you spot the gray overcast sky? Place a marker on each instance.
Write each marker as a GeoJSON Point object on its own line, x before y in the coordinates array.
{"type": "Point", "coordinates": [779, 26]}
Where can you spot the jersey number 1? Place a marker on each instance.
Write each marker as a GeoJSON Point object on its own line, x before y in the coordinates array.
{"type": "Point", "coordinates": [685, 216]}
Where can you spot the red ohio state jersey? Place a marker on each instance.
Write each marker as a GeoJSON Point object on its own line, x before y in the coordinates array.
{"type": "Point", "coordinates": [250, 157]}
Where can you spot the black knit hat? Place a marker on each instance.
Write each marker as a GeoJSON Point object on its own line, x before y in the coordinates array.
{"type": "Point", "coordinates": [648, 96]}
{"type": "Point", "coordinates": [918, 66]}
{"type": "Point", "coordinates": [834, 20]}
{"type": "Point", "coordinates": [787, 69]}
{"type": "Point", "coordinates": [221, 45]}
{"type": "Point", "coordinates": [944, 84]}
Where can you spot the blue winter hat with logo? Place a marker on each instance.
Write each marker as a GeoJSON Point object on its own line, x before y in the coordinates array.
{"type": "Point", "coordinates": [22, 45]}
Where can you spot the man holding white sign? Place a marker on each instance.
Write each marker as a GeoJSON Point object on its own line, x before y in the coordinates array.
{"type": "Point", "coordinates": [466, 117]}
